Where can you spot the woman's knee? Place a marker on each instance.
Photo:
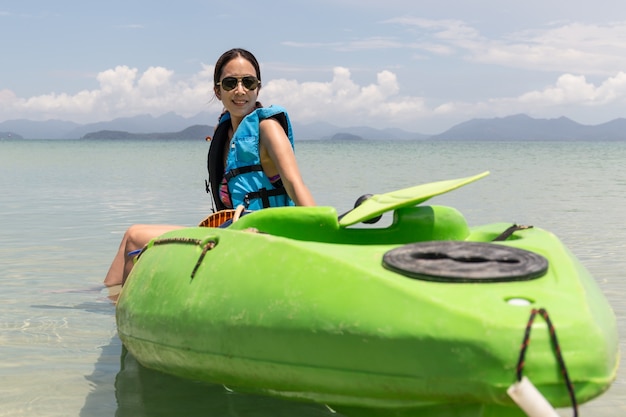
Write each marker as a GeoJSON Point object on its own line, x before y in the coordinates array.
{"type": "Point", "coordinates": [138, 235]}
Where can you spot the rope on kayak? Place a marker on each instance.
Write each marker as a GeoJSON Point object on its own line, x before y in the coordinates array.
{"type": "Point", "coordinates": [508, 232]}
{"type": "Point", "coordinates": [188, 240]}
{"type": "Point", "coordinates": [557, 349]}
{"type": "Point", "coordinates": [206, 246]}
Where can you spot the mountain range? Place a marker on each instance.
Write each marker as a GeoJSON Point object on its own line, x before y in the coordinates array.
{"type": "Point", "coordinates": [522, 127]}
{"type": "Point", "coordinates": [518, 127]}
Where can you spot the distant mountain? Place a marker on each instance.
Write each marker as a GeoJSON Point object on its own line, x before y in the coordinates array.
{"type": "Point", "coordinates": [169, 122]}
{"type": "Point", "coordinates": [521, 127]}
{"type": "Point", "coordinates": [57, 129]}
{"type": "Point", "coordinates": [50, 129]}
{"type": "Point", "coordinates": [610, 131]}
{"type": "Point", "coordinates": [10, 135]}
{"type": "Point", "coordinates": [345, 136]}
{"type": "Point", "coordinates": [518, 127]}
{"type": "Point", "coordinates": [196, 132]}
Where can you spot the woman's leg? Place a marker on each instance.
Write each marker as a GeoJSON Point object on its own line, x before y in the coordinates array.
{"type": "Point", "coordinates": [136, 237]}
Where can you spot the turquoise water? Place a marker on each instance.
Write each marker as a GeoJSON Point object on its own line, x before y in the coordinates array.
{"type": "Point", "coordinates": [65, 205]}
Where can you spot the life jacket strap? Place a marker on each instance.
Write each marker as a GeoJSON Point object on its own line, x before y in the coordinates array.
{"type": "Point", "coordinates": [264, 194]}
{"type": "Point", "coordinates": [242, 170]}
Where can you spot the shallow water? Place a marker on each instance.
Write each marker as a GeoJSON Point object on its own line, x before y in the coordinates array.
{"type": "Point", "coordinates": [65, 205]}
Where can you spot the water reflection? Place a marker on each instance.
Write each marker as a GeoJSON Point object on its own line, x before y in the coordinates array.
{"type": "Point", "coordinates": [142, 392]}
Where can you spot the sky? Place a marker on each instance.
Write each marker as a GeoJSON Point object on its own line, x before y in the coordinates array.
{"type": "Point", "coordinates": [417, 65]}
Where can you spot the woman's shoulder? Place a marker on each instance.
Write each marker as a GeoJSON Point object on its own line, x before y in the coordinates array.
{"type": "Point", "coordinates": [272, 122]}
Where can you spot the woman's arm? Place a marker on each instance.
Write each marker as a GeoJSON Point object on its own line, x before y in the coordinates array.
{"type": "Point", "coordinates": [277, 157]}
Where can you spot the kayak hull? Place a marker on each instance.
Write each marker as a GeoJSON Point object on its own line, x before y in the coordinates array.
{"type": "Point", "coordinates": [288, 302]}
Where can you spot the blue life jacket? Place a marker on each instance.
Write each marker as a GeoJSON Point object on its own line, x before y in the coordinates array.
{"type": "Point", "coordinates": [247, 183]}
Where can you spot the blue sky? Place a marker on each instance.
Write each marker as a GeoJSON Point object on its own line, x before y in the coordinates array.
{"type": "Point", "coordinates": [413, 64]}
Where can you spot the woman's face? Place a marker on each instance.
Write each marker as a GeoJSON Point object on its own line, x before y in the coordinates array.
{"type": "Point", "coordinates": [239, 101]}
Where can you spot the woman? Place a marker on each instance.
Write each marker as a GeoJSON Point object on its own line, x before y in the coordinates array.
{"type": "Point", "coordinates": [252, 143]}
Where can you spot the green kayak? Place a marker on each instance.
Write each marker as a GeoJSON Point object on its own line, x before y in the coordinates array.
{"type": "Point", "coordinates": [424, 313]}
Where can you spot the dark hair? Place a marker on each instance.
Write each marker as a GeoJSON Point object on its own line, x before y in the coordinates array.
{"type": "Point", "coordinates": [230, 55]}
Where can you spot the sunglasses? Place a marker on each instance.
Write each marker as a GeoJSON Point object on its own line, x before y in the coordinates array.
{"type": "Point", "coordinates": [249, 83]}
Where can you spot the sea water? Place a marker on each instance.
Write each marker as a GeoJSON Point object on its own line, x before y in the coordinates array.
{"type": "Point", "coordinates": [64, 206]}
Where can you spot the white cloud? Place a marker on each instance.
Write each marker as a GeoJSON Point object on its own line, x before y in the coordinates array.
{"type": "Point", "coordinates": [124, 91]}
{"type": "Point", "coordinates": [118, 80]}
{"type": "Point", "coordinates": [444, 29]}
{"type": "Point", "coordinates": [570, 93]}
{"type": "Point", "coordinates": [568, 47]}
{"type": "Point", "coordinates": [341, 101]}
{"type": "Point", "coordinates": [575, 89]}
{"type": "Point", "coordinates": [155, 80]}
{"type": "Point", "coordinates": [558, 47]}
{"type": "Point", "coordinates": [7, 96]}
